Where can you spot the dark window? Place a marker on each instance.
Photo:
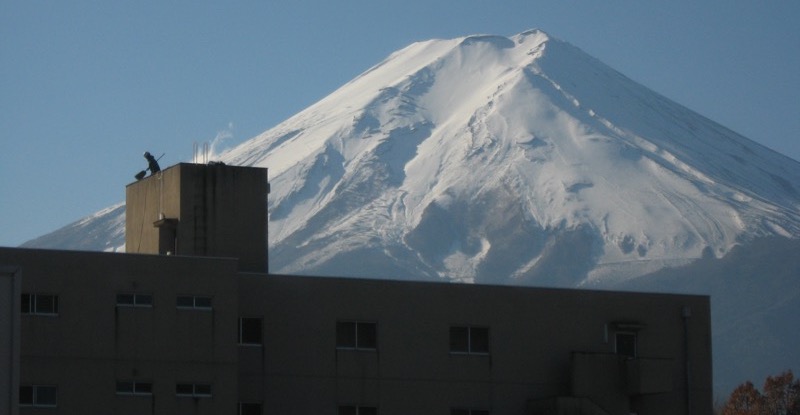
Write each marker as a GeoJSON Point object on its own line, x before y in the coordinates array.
{"type": "Point", "coordinates": [134, 300]}
{"type": "Point", "coordinates": [26, 303]}
{"type": "Point", "coordinates": [357, 410]}
{"type": "Point", "coordinates": [202, 302]}
{"type": "Point", "coordinates": [626, 344]}
{"type": "Point", "coordinates": [143, 388]}
{"type": "Point", "coordinates": [479, 340]}
{"type": "Point", "coordinates": [459, 339]}
{"type": "Point", "coordinates": [357, 335]}
{"type": "Point", "coordinates": [250, 331]}
{"type": "Point", "coordinates": [195, 390]}
{"type": "Point", "coordinates": [36, 395]}
{"type": "Point", "coordinates": [143, 300]}
{"type": "Point", "coordinates": [469, 340]}
{"type": "Point", "coordinates": [125, 387]}
{"type": "Point", "coordinates": [346, 334]}
{"type": "Point", "coordinates": [26, 395]}
{"type": "Point", "coordinates": [45, 396]}
{"type": "Point", "coordinates": [130, 387]}
{"type": "Point", "coordinates": [202, 389]}
{"type": "Point", "coordinates": [249, 408]}
{"type": "Point", "coordinates": [460, 411]}
{"type": "Point", "coordinates": [189, 301]}
{"type": "Point", "coordinates": [125, 299]}
{"type": "Point", "coordinates": [39, 304]}
{"type": "Point", "coordinates": [184, 301]}
{"type": "Point", "coordinates": [46, 304]}
{"type": "Point", "coordinates": [184, 389]}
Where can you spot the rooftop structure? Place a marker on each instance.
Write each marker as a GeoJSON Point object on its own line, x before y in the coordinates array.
{"type": "Point", "coordinates": [210, 210]}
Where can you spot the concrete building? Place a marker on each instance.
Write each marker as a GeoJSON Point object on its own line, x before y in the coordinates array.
{"type": "Point", "coordinates": [200, 331]}
{"type": "Point", "coordinates": [200, 210]}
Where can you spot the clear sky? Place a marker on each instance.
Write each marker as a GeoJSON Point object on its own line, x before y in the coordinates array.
{"type": "Point", "coordinates": [87, 86]}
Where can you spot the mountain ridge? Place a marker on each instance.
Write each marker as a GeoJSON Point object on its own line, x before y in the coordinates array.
{"type": "Point", "coordinates": [403, 133]}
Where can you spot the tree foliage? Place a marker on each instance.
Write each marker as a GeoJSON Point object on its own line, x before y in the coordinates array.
{"type": "Point", "coordinates": [780, 396]}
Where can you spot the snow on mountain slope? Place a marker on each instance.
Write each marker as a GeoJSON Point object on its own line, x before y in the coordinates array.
{"type": "Point", "coordinates": [102, 231]}
{"type": "Point", "coordinates": [508, 160]}
{"type": "Point", "coordinates": [489, 158]}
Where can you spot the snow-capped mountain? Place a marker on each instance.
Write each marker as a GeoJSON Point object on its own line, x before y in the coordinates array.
{"type": "Point", "coordinates": [512, 160]}
{"type": "Point", "coordinates": [488, 158]}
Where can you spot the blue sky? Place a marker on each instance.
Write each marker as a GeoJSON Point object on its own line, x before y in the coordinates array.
{"type": "Point", "coordinates": [87, 86]}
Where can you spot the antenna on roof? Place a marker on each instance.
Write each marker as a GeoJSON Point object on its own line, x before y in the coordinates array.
{"type": "Point", "coordinates": [200, 152]}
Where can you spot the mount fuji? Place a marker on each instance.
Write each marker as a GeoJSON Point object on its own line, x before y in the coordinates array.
{"type": "Point", "coordinates": [522, 160]}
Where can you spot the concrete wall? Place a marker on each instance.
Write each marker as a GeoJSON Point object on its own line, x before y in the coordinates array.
{"type": "Point", "coordinates": [224, 213]}
{"type": "Point", "coordinates": [92, 343]}
{"type": "Point", "coordinates": [533, 333]}
{"type": "Point", "coordinates": [218, 211]}
{"type": "Point", "coordinates": [145, 200]}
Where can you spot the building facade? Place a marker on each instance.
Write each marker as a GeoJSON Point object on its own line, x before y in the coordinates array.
{"type": "Point", "coordinates": [197, 334]}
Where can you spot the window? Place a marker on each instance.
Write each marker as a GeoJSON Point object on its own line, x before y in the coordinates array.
{"type": "Point", "coordinates": [131, 387]}
{"type": "Point", "coordinates": [250, 331]}
{"type": "Point", "coordinates": [134, 300]}
{"type": "Point", "coordinates": [356, 335]}
{"type": "Point", "coordinates": [40, 304]}
{"type": "Point", "coordinates": [193, 301]}
{"type": "Point", "coordinates": [625, 344]}
{"type": "Point", "coordinates": [194, 390]}
{"type": "Point", "coordinates": [249, 408]}
{"type": "Point", "coordinates": [461, 411]}
{"type": "Point", "coordinates": [37, 395]}
{"type": "Point", "coordinates": [469, 340]}
{"type": "Point", "coordinates": [357, 410]}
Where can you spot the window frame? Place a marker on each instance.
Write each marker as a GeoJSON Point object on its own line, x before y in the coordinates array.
{"type": "Point", "coordinates": [194, 300]}
{"type": "Point", "coordinates": [134, 390]}
{"type": "Point", "coordinates": [135, 300]}
{"type": "Point", "coordinates": [31, 306]}
{"type": "Point", "coordinates": [35, 392]}
{"type": "Point", "coordinates": [371, 346]}
{"type": "Point", "coordinates": [194, 386]}
{"type": "Point", "coordinates": [260, 332]}
{"type": "Point", "coordinates": [356, 408]}
{"type": "Point", "coordinates": [259, 405]}
{"type": "Point", "coordinates": [635, 343]}
{"type": "Point", "coordinates": [471, 340]}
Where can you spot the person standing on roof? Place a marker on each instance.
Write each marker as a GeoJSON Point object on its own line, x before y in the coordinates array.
{"type": "Point", "coordinates": [152, 163]}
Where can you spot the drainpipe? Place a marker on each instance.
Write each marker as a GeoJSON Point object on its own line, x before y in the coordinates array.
{"type": "Point", "coordinates": [686, 313]}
